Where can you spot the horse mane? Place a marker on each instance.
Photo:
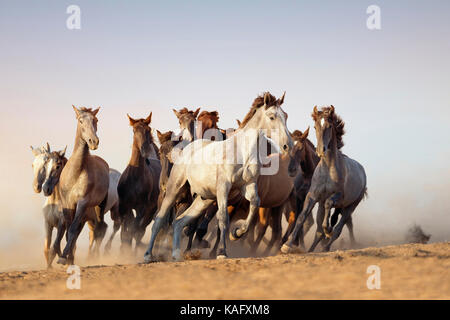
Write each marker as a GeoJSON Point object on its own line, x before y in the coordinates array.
{"type": "Point", "coordinates": [212, 117]}
{"type": "Point", "coordinates": [258, 103]}
{"type": "Point", "coordinates": [186, 111]}
{"type": "Point", "coordinates": [84, 109]}
{"type": "Point", "coordinates": [337, 122]}
{"type": "Point", "coordinates": [57, 155]}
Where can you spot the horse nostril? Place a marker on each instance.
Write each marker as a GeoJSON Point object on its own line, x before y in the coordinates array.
{"type": "Point", "coordinates": [285, 147]}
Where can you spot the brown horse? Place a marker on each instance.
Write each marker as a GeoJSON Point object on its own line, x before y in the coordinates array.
{"type": "Point", "coordinates": [139, 184]}
{"type": "Point", "coordinates": [84, 182]}
{"type": "Point", "coordinates": [53, 213]}
{"type": "Point", "coordinates": [337, 182]}
{"type": "Point", "coordinates": [276, 194]}
{"type": "Point", "coordinates": [186, 119]}
{"type": "Point", "coordinates": [207, 126]}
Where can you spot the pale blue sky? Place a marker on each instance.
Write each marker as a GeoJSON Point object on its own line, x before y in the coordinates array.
{"type": "Point", "coordinates": [390, 86]}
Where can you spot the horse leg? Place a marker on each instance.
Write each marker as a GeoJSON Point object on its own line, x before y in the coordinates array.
{"type": "Point", "coordinates": [47, 241]}
{"type": "Point", "coordinates": [307, 207]}
{"type": "Point", "coordinates": [56, 248]}
{"type": "Point", "coordinates": [126, 237]}
{"type": "Point", "coordinates": [329, 203]}
{"type": "Point", "coordinates": [99, 234]}
{"type": "Point", "coordinates": [275, 219]}
{"type": "Point", "coordinates": [175, 184]}
{"type": "Point", "coordinates": [349, 225]}
{"type": "Point", "coordinates": [115, 216]}
{"type": "Point", "coordinates": [91, 225]}
{"type": "Point", "coordinates": [306, 227]}
{"type": "Point", "coordinates": [319, 236]}
{"type": "Point", "coordinates": [72, 234]}
{"type": "Point", "coordinates": [261, 227]}
{"type": "Point", "coordinates": [202, 228]}
{"type": "Point", "coordinates": [251, 194]}
{"type": "Point", "coordinates": [194, 210]}
{"type": "Point", "coordinates": [213, 252]}
{"type": "Point", "coordinates": [346, 213]}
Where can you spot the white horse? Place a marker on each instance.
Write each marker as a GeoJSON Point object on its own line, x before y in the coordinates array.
{"type": "Point", "coordinates": [214, 170]}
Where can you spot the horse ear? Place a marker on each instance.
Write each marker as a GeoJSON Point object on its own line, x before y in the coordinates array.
{"type": "Point", "coordinates": [196, 112]}
{"type": "Point", "coordinates": [304, 135]}
{"type": "Point", "coordinates": [282, 99]}
{"type": "Point", "coordinates": [238, 122]}
{"type": "Point", "coordinates": [315, 113]}
{"type": "Point", "coordinates": [62, 153]}
{"type": "Point", "coordinates": [132, 121]}
{"type": "Point", "coordinates": [47, 147]}
{"type": "Point", "coordinates": [176, 113]}
{"type": "Point", "coordinates": [36, 151]}
{"type": "Point", "coordinates": [266, 98]}
{"type": "Point", "coordinates": [159, 134]}
{"type": "Point", "coordinates": [77, 112]}
{"type": "Point", "coordinates": [96, 111]}
{"type": "Point", "coordinates": [148, 119]}
{"type": "Point", "coordinates": [331, 110]}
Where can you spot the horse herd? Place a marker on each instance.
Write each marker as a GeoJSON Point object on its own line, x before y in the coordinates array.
{"type": "Point", "coordinates": [198, 174]}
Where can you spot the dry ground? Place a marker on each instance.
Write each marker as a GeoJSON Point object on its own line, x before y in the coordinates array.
{"type": "Point", "coordinates": [411, 271]}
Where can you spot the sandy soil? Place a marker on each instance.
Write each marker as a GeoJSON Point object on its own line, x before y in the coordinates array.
{"type": "Point", "coordinates": [411, 271]}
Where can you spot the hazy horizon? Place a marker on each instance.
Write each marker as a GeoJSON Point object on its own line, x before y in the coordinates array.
{"type": "Point", "coordinates": [390, 86]}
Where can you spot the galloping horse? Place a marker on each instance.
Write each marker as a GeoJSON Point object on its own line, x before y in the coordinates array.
{"type": "Point", "coordinates": [51, 168]}
{"type": "Point", "coordinates": [139, 184]}
{"type": "Point", "coordinates": [203, 164]}
{"type": "Point", "coordinates": [84, 181]}
{"type": "Point", "coordinates": [338, 181]}
{"type": "Point", "coordinates": [186, 119]}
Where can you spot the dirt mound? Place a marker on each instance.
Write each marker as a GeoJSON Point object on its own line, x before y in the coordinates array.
{"type": "Point", "coordinates": [411, 271]}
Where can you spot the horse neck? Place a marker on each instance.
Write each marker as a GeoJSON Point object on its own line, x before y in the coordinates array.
{"type": "Point", "coordinates": [136, 160]}
{"type": "Point", "coordinates": [311, 159]}
{"type": "Point", "coordinates": [155, 150]}
{"type": "Point", "coordinates": [55, 197]}
{"type": "Point", "coordinates": [333, 158]}
{"type": "Point", "coordinates": [80, 153]}
{"type": "Point", "coordinates": [247, 142]}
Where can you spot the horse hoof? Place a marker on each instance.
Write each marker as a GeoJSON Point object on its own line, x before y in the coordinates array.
{"type": "Point", "coordinates": [285, 249]}
{"type": "Point", "coordinates": [176, 255]}
{"type": "Point", "coordinates": [148, 258]}
{"type": "Point", "coordinates": [62, 261]}
{"type": "Point", "coordinates": [234, 235]}
{"type": "Point", "coordinates": [221, 257]}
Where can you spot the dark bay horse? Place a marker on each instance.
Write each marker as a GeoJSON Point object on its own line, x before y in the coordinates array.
{"type": "Point", "coordinates": [338, 181]}
{"type": "Point", "coordinates": [138, 187]}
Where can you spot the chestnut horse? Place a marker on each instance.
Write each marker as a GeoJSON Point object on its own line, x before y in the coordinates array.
{"type": "Point", "coordinates": [338, 181]}
{"type": "Point", "coordinates": [84, 182]}
{"type": "Point", "coordinates": [139, 184]}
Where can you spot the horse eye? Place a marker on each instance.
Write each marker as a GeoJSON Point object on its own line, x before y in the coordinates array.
{"type": "Point", "coordinates": [272, 118]}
